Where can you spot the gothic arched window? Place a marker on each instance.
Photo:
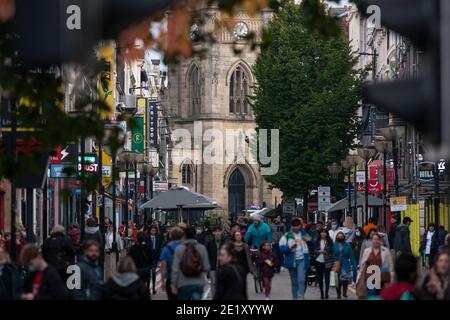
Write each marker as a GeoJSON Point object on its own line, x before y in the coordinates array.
{"type": "Point", "coordinates": [239, 89]}
{"type": "Point", "coordinates": [194, 90]}
{"type": "Point", "coordinates": [186, 174]}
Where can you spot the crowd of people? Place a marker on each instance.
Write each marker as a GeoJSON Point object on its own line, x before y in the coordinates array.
{"type": "Point", "coordinates": [376, 262]}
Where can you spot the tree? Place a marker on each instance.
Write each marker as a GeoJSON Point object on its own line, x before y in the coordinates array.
{"type": "Point", "coordinates": [307, 88]}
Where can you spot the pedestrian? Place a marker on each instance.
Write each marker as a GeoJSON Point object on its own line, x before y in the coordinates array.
{"type": "Point", "coordinates": [278, 228]}
{"type": "Point", "coordinates": [75, 237]}
{"type": "Point", "coordinates": [294, 250]}
{"type": "Point", "coordinates": [189, 269]}
{"type": "Point", "coordinates": [379, 256]}
{"type": "Point", "coordinates": [58, 252]}
{"type": "Point", "coordinates": [231, 278]}
{"type": "Point", "coordinates": [109, 239]}
{"type": "Point", "coordinates": [358, 240]}
{"type": "Point", "coordinates": [370, 225]}
{"type": "Point", "coordinates": [436, 285]}
{"type": "Point", "coordinates": [392, 230]}
{"type": "Point", "coordinates": [243, 256]}
{"type": "Point", "coordinates": [429, 246]}
{"type": "Point", "coordinates": [213, 248]}
{"type": "Point", "coordinates": [10, 279]}
{"type": "Point", "coordinates": [367, 243]}
{"type": "Point", "coordinates": [349, 229]}
{"type": "Point", "coordinates": [167, 255]}
{"type": "Point", "coordinates": [142, 257]}
{"type": "Point", "coordinates": [43, 281]}
{"type": "Point", "coordinates": [126, 284]}
{"type": "Point", "coordinates": [384, 237]}
{"type": "Point", "coordinates": [334, 229]}
{"type": "Point", "coordinates": [155, 243]}
{"type": "Point", "coordinates": [257, 233]}
{"type": "Point", "coordinates": [132, 232]}
{"type": "Point", "coordinates": [344, 266]}
{"type": "Point", "coordinates": [20, 244]}
{"type": "Point", "coordinates": [91, 273]}
{"type": "Point", "coordinates": [268, 264]}
{"type": "Point", "coordinates": [324, 259]}
{"type": "Point", "coordinates": [406, 274]}
{"type": "Point", "coordinates": [92, 232]}
{"type": "Point", "coordinates": [402, 242]}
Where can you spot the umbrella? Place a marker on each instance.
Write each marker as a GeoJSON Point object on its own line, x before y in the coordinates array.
{"type": "Point", "coordinates": [343, 204]}
{"type": "Point", "coordinates": [180, 197]}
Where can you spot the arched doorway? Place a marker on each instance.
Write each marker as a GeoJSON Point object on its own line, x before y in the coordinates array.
{"type": "Point", "coordinates": [236, 193]}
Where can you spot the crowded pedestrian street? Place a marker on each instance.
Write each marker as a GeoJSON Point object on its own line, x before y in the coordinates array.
{"type": "Point", "coordinates": [224, 157]}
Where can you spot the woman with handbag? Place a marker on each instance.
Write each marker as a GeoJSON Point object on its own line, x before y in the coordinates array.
{"type": "Point", "coordinates": [324, 260]}
{"type": "Point", "coordinates": [344, 266]}
{"type": "Point", "coordinates": [379, 256]}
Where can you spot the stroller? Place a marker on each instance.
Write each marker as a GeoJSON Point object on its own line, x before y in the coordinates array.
{"type": "Point", "coordinates": [311, 277]}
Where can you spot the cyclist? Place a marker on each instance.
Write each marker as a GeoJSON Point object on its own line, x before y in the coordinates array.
{"type": "Point", "coordinates": [258, 232]}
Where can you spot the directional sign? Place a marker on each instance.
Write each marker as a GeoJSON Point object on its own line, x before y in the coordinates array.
{"type": "Point", "coordinates": [324, 198]}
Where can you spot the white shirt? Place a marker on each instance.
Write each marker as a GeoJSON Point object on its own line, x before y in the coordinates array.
{"type": "Point", "coordinates": [299, 249]}
{"type": "Point", "coordinates": [333, 234]}
{"type": "Point", "coordinates": [320, 257]}
{"type": "Point", "coordinates": [429, 239]}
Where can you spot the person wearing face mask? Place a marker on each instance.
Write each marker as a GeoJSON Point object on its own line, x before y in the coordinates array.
{"type": "Point", "coordinates": [345, 265]}
{"type": "Point", "coordinates": [91, 273]}
{"type": "Point", "coordinates": [334, 229]}
{"type": "Point", "coordinates": [10, 280]}
{"type": "Point", "coordinates": [43, 281]}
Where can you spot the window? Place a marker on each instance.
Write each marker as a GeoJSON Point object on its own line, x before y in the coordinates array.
{"type": "Point", "coordinates": [194, 91]}
{"type": "Point", "coordinates": [186, 174]}
{"type": "Point", "coordinates": [239, 89]}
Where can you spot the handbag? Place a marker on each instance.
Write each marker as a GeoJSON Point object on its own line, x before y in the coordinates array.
{"type": "Point", "coordinates": [337, 264]}
{"type": "Point", "coordinates": [361, 288]}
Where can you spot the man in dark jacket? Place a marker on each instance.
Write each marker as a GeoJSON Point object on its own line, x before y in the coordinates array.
{"type": "Point", "coordinates": [213, 248]}
{"type": "Point", "coordinates": [91, 273]}
{"type": "Point", "coordinates": [392, 231]}
{"type": "Point", "coordinates": [155, 242]}
{"type": "Point", "coordinates": [58, 252]}
{"type": "Point", "coordinates": [402, 240]}
{"type": "Point", "coordinates": [141, 254]}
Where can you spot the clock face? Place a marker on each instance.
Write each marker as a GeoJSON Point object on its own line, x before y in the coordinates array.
{"type": "Point", "coordinates": [240, 30]}
{"type": "Point", "coordinates": [194, 32]}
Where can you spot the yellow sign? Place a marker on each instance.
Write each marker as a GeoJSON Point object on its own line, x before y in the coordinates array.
{"type": "Point", "coordinates": [398, 204]}
{"type": "Point", "coordinates": [106, 169]}
{"type": "Point", "coordinates": [106, 85]}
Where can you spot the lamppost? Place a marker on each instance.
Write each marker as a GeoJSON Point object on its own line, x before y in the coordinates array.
{"type": "Point", "coordinates": [127, 159]}
{"type": "Point", "coordinates": [393, 134]}
{"type": "Point", "coordinates": [383, 147]}
{"type": "Point", "coordinates": [139, 158]}
{"type": "Point", "coordinates": [353, 160]}
{"type": "Point", "coordinates": [366, 154]}
{"type": "Point", "coordinates": [334, 169]}
{"type": "Point", "coordinates": [345, 164]}
{"type": "Point", "coordinates": [149, 172]}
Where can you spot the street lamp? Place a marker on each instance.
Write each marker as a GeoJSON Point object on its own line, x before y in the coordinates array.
{"type": "Point", "coordinates": [393, 134]}
{"type": "Point", "coordinates": [334, 169]}
{"type": "Point", "coordinates": [383, 147]}
{"type": "Point", "coordinates": [345, 164]}
{"type": "Point", "coordinates": [149, 172]}
{"type": "Point", "coordinates": [354, 160]}
{"type": "Point", "coordinates": [127, 159]}
{"type": "Point", "coordinates": [366, 154]}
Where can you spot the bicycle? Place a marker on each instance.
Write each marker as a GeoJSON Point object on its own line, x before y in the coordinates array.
{"type": "Point", "coordinates": [257, 276]}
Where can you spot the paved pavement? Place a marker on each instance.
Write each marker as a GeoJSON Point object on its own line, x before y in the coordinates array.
{"type": "Point", "coordinates": [281, 290]}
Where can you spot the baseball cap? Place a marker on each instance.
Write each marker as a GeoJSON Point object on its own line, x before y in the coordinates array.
{"type": "Point", "coordinates": [407, 219]}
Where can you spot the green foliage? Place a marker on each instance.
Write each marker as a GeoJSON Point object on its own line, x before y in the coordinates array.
{"type": "Point", "coordinates": [307, 88]}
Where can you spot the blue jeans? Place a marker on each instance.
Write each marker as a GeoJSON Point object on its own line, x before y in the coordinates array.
{"type": "Point", "coordinates": [192, 292]}
{"type": "Point", "coordinates": [298, 276]}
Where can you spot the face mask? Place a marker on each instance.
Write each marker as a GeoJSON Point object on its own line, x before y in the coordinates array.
{"type": "Point", "coordinates": [358, 233]}
{"type": "Point", "coordinates": [2, 262]}
{"type": "Point", "coordinates": [340, 239]}
{"type": "Point", "coordinates": [333, 226]}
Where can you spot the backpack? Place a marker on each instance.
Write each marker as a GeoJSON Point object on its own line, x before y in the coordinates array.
{"type": "Point", "coordinates": [191, 263]}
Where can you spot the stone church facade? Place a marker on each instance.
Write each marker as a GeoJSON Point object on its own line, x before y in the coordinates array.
{"type": "Point", "coordinates": [210, 92]}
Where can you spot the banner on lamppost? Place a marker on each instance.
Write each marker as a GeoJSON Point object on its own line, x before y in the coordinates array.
{"type": "Point", "coordinates": [324, 198]}
{"type": "Point", "coordinates": [138, 140]}
{"type": "Point", "coordinates": [106, 84]}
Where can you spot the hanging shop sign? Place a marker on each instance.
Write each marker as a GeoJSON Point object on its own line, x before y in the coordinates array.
{"type": "Point", "coordinates": [398, 204]}
{"type": "Point", "coordinates": [425, 171]}
{"type": "Point", "coordinates": [138, 139]}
